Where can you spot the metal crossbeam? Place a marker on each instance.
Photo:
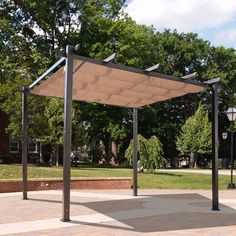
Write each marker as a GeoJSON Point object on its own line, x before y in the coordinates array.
{"type": "Point", "coordinates": [110, 58]}
{"type": "Point", "coordinates": [47, 72]}
{"type": "Point", "coordinates": [212, 81]}
{"type": "Point", "coordinates": [189, 76]}
{"type": "Point", "coordinates": [152, 68]}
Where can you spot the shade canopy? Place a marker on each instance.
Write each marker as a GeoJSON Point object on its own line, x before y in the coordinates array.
{"type": "Point", "coordinates": [112, 84]}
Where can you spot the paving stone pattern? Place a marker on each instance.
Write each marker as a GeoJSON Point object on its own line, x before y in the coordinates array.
{"type": "Point", "coordinates": [117, 212]}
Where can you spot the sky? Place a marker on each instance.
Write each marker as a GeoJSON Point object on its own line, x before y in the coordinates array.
{"type": "Point", "coordinates": [212, 20]}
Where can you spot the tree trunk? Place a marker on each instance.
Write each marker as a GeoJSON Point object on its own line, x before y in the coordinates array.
{"type": "Point", "coordinates": [76, 152]}
{"type": "Point", "coordinates": [113, 153]}
{"type": "Point", "coordinates": [41, 158]}
{"type": "Point", "coordinates": [193, 160]}
{"type": "Point", "coordinates": [107, 146]}
{"type": "Point", "coordinates": [57, 154]}
{"type": "Point", "coordinates": [54, 155]}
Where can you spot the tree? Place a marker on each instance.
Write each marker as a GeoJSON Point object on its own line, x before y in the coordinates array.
{"type": "Point", "coordinates": [32, 33]}
{"type": "Point", "coordinates": [79, 130]}
{"type": "Point", "coordinates": [107, 124]}
{"type": "Point", "coordinates": [150, 153]}
{"type": "Point", "coordinates": [155, 152]}
{"type": "Point", "coordinates": [52, 121]}
{"type": "Point", "coordinates": [195, 136]}
{"type": "Point", "coordinates": [53, 127]}
{"type": "Point", "coordinates": [31, 39]}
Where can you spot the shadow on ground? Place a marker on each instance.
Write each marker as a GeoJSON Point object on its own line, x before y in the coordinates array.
{"type": "Point", "coordinates": [156, 213]}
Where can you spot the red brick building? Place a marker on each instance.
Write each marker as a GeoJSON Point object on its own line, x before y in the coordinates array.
{"type": "Point", "coordinates": [10, 147]}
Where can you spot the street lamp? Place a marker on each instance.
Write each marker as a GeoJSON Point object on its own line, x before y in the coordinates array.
{"type": "Point", "coordinates": [231, 114]}
{"type": "Point", "coordinates": [224, 163]}
{"type": "Point", "coordinates": [224, 135]}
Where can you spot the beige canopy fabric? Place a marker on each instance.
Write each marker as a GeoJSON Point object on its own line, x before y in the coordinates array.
{"type": "Point", "coordinates": [112, 84]}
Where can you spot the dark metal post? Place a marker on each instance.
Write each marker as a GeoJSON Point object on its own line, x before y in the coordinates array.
{"type": "Point", "coordinates": [215, 143]}
{"type": "Point", "coordinates": [67, 133]}
{"type": "Point", "coordinates": [24, 141]}
{"type": "Point", "coordinates": [231, 185]}
{"type": "Point", "coordinates": [232, 156]}
{"type": "Point", "coordinates": [135, 158]}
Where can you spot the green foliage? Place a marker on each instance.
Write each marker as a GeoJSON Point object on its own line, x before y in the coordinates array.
{"type": "Point", "coordinates": [79, 130]}
{"type": "Point", "coordinates": [10, 98]}
{"type": "Point", "coordinates": [195, 136]}
{"type": "Point", "coordinates": [118, 131]}
{"type": "Point", "coordinates": [33, 32]}
{"type": "Point", "coordinates": [150, 153]}
{"type": "Point", "coordinates": [155, 153]}
{"type": "Point", "coordinates": [53, 120]}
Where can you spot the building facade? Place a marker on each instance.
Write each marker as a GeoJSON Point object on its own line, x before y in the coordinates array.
{"type": "Point", "coordinates": [10, 147]}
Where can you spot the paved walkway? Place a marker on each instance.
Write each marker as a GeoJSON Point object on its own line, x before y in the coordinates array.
{"type": "Point", "coordinates": [116, 212]}
{"type": "Point", "coordinates": [198, 171]}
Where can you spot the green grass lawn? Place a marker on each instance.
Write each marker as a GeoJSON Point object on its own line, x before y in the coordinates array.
{"type": "Point", "coordinates": [159, 180]}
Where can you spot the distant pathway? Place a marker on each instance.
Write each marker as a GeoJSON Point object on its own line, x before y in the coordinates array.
{"type": "Point", "coordinates": [197, 171]}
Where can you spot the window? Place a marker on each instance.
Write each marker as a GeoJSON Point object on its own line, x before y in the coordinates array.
{"type": "Point", "coordinates": [13, 145]}
{"type": "Point", "coordinates": [32, 146]}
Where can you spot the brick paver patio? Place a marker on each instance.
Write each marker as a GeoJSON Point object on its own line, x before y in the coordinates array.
{"type": "Point", "coordinates": [116, 212]}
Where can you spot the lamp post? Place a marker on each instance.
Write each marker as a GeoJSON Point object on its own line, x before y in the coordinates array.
{"type": "Point", "coordinates": [231, 114]}
{"type": "Point", "coordinates": [224, 160]}
{"type": "Point", "coordinates": [224, 135]}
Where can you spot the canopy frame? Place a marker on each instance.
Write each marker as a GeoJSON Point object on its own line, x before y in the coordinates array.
{"type": "Point", "coordinates": [61, 62]}
{"type": "Point", "coordinates": [68, 85]}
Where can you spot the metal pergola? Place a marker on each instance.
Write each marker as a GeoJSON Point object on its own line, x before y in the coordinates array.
{"type": "Point", "coordinates": [90, 80]}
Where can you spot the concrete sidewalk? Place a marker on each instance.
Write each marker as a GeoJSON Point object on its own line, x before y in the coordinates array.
{"type": "Point", "coordinates": [197, 171]}
{"type": "Point", "coordinates": [116, 212]}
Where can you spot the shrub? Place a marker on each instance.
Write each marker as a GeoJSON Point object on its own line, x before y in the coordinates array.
{"type": "Point", "coordinates": [7, 160]}
{"type": "Point", "coordinates": [150, 153]}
